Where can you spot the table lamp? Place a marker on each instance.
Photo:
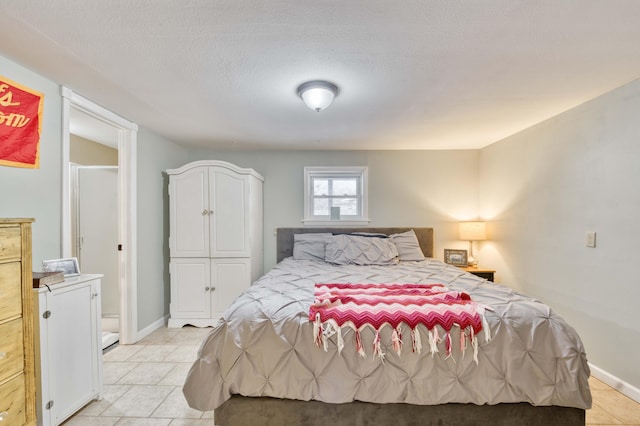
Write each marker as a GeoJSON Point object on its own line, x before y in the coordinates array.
{"type": "Point", "coordinates": [472, 231]}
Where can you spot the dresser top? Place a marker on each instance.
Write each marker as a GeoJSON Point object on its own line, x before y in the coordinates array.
{"type": "Point", "coordinates": [16, 220]}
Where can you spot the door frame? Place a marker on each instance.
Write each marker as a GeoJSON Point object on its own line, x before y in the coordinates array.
{"type": "Point", "coordinates": [127, 207]}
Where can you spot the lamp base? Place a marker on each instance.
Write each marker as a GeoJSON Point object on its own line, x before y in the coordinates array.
{"type": "Point", "coordinates": [471, 260]}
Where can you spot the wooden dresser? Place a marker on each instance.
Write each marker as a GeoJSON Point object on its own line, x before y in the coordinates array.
{"type": "Point", "coordinates": [17, 374]}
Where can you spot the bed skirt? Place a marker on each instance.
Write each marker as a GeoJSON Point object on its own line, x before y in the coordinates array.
{"type": "Point", "coordinates": [241, 411]}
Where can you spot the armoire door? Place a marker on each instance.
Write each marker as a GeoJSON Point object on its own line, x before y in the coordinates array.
{"type": "Point", "coordinates": [229, 278]}
{"type": "Point", "coordinates": [229, 202]}
{"type": "Point", "coordinates": [189, 215]}
{"type": "Point", "coordinates": [190, 288]}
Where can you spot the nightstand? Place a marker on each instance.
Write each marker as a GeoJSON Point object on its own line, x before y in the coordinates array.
{"type": "Point", "coordinates": [487, 274]}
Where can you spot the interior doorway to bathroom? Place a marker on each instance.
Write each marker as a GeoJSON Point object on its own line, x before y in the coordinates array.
{"type": "Point", "coordinates": [123, 141]}
{"type": "Point", "coordinates": [96, 237]}
{"type": "Point", "coordinates": [93, 174]}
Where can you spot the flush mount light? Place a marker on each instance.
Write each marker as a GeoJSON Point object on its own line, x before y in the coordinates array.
{"type": "Point", "coordinates": [317, 94]}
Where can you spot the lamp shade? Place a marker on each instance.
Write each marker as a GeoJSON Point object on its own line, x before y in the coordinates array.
{"type": "Point", "coordinates": [472, 231]}
{"type": "Point", "coordinates": [317, 95]}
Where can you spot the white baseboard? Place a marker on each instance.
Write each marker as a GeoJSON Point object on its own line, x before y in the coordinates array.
{"type": "Point", "coordinates": [615, 382]}
{"type": "Point", "coordinates": [151, 328]}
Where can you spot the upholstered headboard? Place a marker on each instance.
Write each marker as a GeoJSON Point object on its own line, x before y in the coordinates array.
{"type": "Point", "coordinates": [284, 237]}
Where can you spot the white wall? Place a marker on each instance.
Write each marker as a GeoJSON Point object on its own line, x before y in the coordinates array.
{"type": "Point", "coordinates": [543, 189]}
{"type": "Point", "coordinates": [36, 193]}
{"type": "Point", "coordinates": [155, 155]}
{"type": "Point", "coordinates": [406, 188]}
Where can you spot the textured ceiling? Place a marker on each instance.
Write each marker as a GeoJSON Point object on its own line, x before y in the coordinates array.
{"type": "Point", "coordinates": [427, 74]}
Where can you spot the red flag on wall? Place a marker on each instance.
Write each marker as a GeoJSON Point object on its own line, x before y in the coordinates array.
{"type": "Point", "coordinates": [20, 125]}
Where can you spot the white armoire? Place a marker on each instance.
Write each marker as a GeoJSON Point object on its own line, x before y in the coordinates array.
{"type": "Point", "coordinates": [215, 238]}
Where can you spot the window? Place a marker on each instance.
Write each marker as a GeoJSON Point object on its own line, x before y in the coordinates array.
{"type": "Point", "coordinates": [335, 194]}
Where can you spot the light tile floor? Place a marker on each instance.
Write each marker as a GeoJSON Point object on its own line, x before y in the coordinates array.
{"type": "Point", "coordinates": [143, 383]}
{"type": "Point", "coordinates": [143, 386]}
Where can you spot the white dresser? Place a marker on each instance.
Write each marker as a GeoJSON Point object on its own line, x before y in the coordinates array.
{"type": "Point", "coordinates": [68, 347]}
{"type": "Point", "coordinates": [215, 240]}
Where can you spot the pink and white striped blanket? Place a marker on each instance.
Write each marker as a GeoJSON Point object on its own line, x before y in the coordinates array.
{"type": "Point", "coordinates": [431, 306]}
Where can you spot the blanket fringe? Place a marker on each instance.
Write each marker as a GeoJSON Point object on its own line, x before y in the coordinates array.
{"type": "Point", "coordinates": [359, 346]}
{"type": "Point", "coordinates": [447, 343]}
{"type": "Point", "coordinates": [396, 338]}
{"type": "Point", "coordinates": [377, 347]}
{"type": "Point", "coordinates": [317, 331]}
{"type": "Point", "coordinates": [340, 342]}
{"type": "Point", "coordinates": [416, 341]}
{"type": "Point", "coordinates": [330, 329]}
{"type": "Point", "coordinates": [322, 332]}
{"type": "Point", "coordinates": [433, 341]}
{"type": "Point", "coordinates": [474, 343]}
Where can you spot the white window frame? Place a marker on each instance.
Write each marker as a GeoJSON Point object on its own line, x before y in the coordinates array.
{"type": "Point", "coordinates": [335, 172]}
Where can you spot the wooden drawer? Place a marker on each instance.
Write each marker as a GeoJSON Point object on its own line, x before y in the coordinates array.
{"type": "Point", "coordinates": [10, 290]}
{"type": "Point", "coordinates": [10, 238]}
{"type": "Point", "coordinates": [12, 405]}
{"type": "Point", "coordinates": [11, 349]}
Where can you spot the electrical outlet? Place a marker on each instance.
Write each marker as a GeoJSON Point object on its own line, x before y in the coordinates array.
{"type": "Point", "coordinates": [591, 239]}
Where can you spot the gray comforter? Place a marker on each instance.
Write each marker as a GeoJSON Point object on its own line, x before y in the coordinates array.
{"type": "Point", "coordinates": [263, 346]}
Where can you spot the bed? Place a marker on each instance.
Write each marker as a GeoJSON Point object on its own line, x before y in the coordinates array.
{"type": "Point", "coordinates": [260, 365]}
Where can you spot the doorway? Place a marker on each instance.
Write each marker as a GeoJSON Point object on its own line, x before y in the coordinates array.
{"type": "Point", "coordinates": [95, 226]}
{"type": "Point", "coordinates": [125, 140]}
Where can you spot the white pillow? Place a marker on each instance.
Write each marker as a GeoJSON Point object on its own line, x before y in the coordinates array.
{"type": "Point", "coordinates": [310, 246]}
{"type": "Point", "coordinates": [408, 246]}
{"type": "Point", "coordinates": [358, 250]}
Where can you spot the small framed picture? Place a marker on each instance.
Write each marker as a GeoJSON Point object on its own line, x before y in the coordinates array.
{"type": "Point", "coordinates": [455, 257]}
{"type": "Point", "coordinates": [68, 266]}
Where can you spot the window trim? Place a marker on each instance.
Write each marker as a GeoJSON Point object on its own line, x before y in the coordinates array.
{"type": "Point", "coordinates": [332, 172]}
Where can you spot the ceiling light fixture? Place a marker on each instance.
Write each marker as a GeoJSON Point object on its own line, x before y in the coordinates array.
{"type": "Point", "coordinates": [317, 94]}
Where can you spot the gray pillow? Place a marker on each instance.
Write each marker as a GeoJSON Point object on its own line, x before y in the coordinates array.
{"type": "Point", "coordinates": [310, 246]}
{"type": "Point", "coordinates": [369, 234]}
{"type": "Point", "coordinates": [408, 246]}
{"type": "Point", "coordinates": [358, 250]}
